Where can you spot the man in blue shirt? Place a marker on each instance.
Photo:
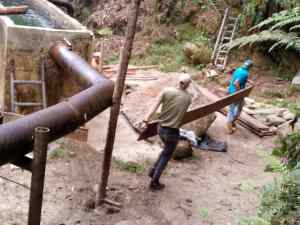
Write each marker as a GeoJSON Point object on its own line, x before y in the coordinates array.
{"type": "Point", "coordinates": [238, 81]}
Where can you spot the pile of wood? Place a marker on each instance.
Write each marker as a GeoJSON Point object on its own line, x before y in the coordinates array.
{"type": "Point", "coordinates": [132, 72]}
{"type": "Point", "coordinates": [111, 71]}
{"type": "Point", "coordinates": [254, 125]}
{"type": "Point", "coordinates": [249, 122]}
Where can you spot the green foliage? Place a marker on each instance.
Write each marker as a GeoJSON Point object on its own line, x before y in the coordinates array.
{"type": "Point", "coordinates": [167, 53]}
{"type": "Point", "coordinates": [289, 148]}
{"type": "Point", "coordinates": [280, 31]}
{"type": "Point", "coordinates": [131, 167]}
{"type": "Point", "coordinates": [280, 201]}
{"type": "Point", "coordinates": [104, 32]}
{"type": "Point", "coordinates": [58, 153]}
{"type": "Point", "coordinates": [253, 221]}
{"type": "Point", "coordinates": [293, 106]}
{"type": "Point", "coordinates": [204, 212]}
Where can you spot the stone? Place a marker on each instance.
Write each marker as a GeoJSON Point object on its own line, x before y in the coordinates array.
{"type": "Point", "coordinates": [249, 101]}
{"type": "Point", "coordinates": [269, 111]}
{"type": "Point", "coordinates": [287, 115]}
{"type": "Point", "coordinates": [211, 73]}
{"type": "Point", "coordinates": [183, 150]}
{"type": "Point", "coordinates": [273, 120]}
{"type": "Point", "coordinates": [201, 125]}
{"type": "Point", "coordinates": [197, 53]}
{"type": "Point", "coordinates": [249, 111]}
{"type": "Point", "coordinates": [126, 222]}
{"type": "Point", "coordinates": [296, 80]}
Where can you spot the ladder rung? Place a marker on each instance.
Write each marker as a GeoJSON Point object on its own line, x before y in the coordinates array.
{"type": "Point", "coordinates": [28, 104]}
{"type": "Point", "coordinates": [27, 82]}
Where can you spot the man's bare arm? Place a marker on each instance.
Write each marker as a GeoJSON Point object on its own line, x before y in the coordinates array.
{"type": "Point", "coordinates": [237, 85]}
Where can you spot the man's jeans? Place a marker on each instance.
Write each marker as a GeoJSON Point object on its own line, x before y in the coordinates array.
{"type": "Point", "coordinates": [234, 111]}
{"type": "Point", "coordinates": [170, 137]}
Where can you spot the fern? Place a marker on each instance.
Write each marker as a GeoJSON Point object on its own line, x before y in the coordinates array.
{"type": "Point", "coordinates": [278, 17]}
{"type": "Point", "coordinates": [296, 27]}
{"type": "Point", "coordinates": [288, 22]}
{"type": "Point", "coordinates": [282, 32]}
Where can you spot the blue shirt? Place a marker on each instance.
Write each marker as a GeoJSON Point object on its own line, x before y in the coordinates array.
{"type": "Point", "coordinates": [240, 74]}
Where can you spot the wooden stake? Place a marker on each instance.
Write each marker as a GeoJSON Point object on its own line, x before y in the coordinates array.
{"type": "Point", "coordinates": [115, 109]}
{"type": "Point", "coordinates": [41, 139]}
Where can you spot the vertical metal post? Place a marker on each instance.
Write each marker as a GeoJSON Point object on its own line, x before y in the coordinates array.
{"type": "Point", "coordinates": [42, 74]}
{"type": "Point", "coordinates": [41, 138]}
{"type": "Point", "coordinates": [115, 109]}
{"type": "Point", "coordinates": [12, 85]}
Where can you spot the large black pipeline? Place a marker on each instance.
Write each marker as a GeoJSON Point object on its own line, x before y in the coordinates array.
{"type": "Point", "coordinates": [16, 136]}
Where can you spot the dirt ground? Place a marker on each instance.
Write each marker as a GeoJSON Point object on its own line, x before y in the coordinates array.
{"type": "Point", "coordinates": [209, 188]}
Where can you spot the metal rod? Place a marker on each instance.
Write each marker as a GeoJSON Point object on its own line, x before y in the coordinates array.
{"type": "Point", "coordinates": [12, 86]}
{"type": "Point", "coordinates": [115, 109]}
{"type": "Point", "coordinates": [41, 139]}
{"type": "Point", "coordinates": [42, 73]}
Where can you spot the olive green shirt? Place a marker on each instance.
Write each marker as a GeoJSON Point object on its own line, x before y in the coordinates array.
{"type": "Point", "coordinates": [175, 103]}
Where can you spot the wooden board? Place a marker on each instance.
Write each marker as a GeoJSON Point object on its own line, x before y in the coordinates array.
{"type": "Point", "coordinates": [151, 129]}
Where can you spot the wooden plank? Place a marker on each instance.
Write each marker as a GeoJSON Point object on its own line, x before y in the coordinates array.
{"type": "Point", "coordinates": [151, 129]}
{"type": "Point", "coordinates": [245, 117]}
{"type": "Point", "coordinates": [243, 122]}
{"type": "Point", "coordinates": [215, 106]}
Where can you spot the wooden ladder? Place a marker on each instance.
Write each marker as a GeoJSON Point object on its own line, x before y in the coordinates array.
{"type": "Point", "coordinates": [225, 36]}
{"type": "Point", "coordinates": [41, 83]}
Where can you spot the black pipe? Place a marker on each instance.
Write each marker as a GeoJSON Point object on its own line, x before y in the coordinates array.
{"type": "Point", "coordinates": [68, 6]}
{"type": "Point", "coordinates": [16, 136]}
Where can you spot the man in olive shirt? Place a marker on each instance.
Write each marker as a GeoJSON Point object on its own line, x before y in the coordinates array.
{"type": "Point", "coordinates": [175, 102]}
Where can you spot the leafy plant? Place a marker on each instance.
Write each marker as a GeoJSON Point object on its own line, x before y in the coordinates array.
{"type": "Point", "coordinates": [280, 201]}
{"type": "Point", "coordinates": [280, 30]}
{"type": "Point", "coordinates": [203, 212]}
{"type": "Point", "coordinates": [167, 53]}
{"type": "Point", "coordinates": [132, 167]}
{"type": "Point", "coordinates": [289, 148]}
{"type": "Point", "coordinates": [104, 32]}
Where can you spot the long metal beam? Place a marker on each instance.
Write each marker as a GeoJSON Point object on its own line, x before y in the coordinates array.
{"type": "Point", "coordinates": [16, 136]}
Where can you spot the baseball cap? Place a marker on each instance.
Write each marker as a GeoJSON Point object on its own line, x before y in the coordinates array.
{"type": "Point", "coordinates": [185, 78]}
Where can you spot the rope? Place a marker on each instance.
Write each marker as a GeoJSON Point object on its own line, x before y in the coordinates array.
{"type": "Point", "coordinates": [12, 181]}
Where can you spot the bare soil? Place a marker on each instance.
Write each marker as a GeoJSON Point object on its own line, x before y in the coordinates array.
{"type": "Point", "coordinates": [209, 188]}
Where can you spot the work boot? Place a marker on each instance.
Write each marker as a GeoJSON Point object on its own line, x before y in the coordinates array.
{"type": "Point", "coordinates": [156, 186]}
{"type": "Point", "coordinates": [229, 128]}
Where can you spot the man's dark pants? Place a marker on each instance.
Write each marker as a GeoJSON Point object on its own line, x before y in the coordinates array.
{"type": "Point", "coordinates": [170, 137]}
